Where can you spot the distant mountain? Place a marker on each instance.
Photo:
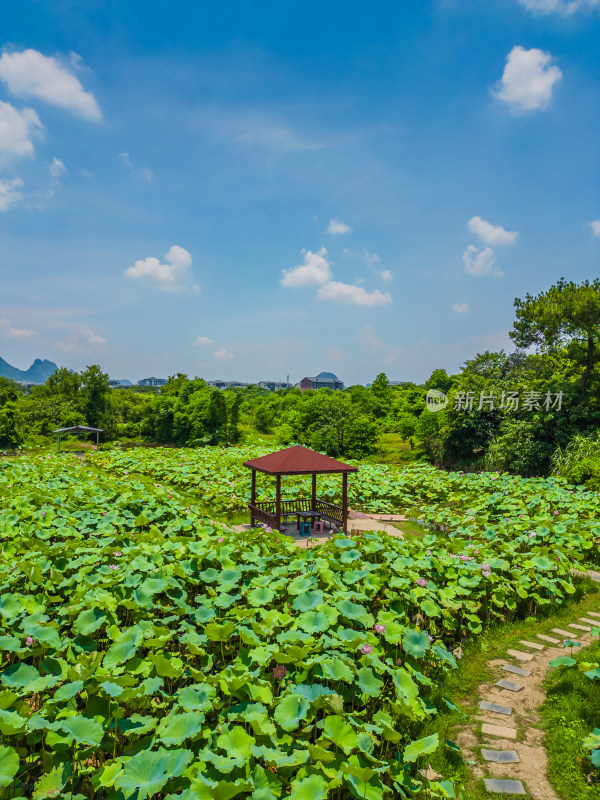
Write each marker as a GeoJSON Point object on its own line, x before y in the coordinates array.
{"type": "Point", "coordinates": [38, 372]}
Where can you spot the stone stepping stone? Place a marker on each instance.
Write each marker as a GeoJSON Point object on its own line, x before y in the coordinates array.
{"type": "Point", "coordinates": [534, 645]}
{"type": "Point", "coordinates": [550, 639]}
{"type": "Point", "coordinates": [594, 614]}
{"type": "Point", "coordinates": [512, 687]}
{"type": "Point", "coordinates": [524, 673]}
{"type": "Point", "coordinates": [499, 730]}
{"type": "Point", "coordinates": [570, 634]}
{"type": "Point", "coordinates": [580, 627]}
{"type": "Point", "coordinates": [501, 756]}
{"type": "Point", "coordinates": [504, 787]}
{"type": "Point", "coordinates": [495, 708]}
{"type": "Point", "coordinates": [592, 622]}
{"type": "Point", "coordinates": [520, 656]}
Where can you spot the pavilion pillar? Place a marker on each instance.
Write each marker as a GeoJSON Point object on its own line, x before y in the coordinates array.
{"type": "Point", "coordinates": [345, 501]}
{"type": "Point", "coordinates": [253, 496]}
{"type": "Point", "coordinates": [278, 501]}
{"type": "Point", "coordinates": [58, 449]}
{"type": "Point", "coordinates": [313, 506]}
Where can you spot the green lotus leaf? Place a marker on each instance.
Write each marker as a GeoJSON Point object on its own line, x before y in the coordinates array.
{"type": "Point", "coordinates": [149, 770]}
{"type": "Point", "coordinates": [136, 724]}
{"type": "Point", "coordinates": [394, 632]}
{"type": "Point", "coordinates": [221, 790]}
{"type": "Point", "coordinates": [202, 615]}
{"type": "Point", "coordinates": [9, 643]}
{"type": "Point", "coordinates": [260, 596]}
{"type": "Point", "coordinates": [83, 729]}
{"type": "Point", "coordinates": [290, 711]}
{"type": "Point", "coordinates": [594, 674]}
{"type": "Point", "coordinates": [123, 648]}
{"type": "Point", "coordinates": [301, 585]}
{"type": "Point", "coordinates": [10, 606]}
{"type": "Point", "coordinates": [308, 601]}
{"type": "Point", "coordinates": [176, 728]}
{"type": "Point", "coordinates": [277, 758]}
{"type": "Point", "coordinates": [224, 764]}
{"type": "Point", "coordinates": [595, 758]}
{"type": "Point", "coordinates": [112, 689]}
{"type": "Point", "coordinates": [562, 661]}
{"type": "Point", "coordinates": [421, 747]}
{"type": "Point", "coordinates": [209, 575]}
{"type": "Point", "coordinates": [341, 733]}
{"type": "Point", "coordinates": [166, 667]}
{"type": "Point", "coordinates": [369, 683]}
{"type": "Point", "coordinates": [197, 698]}
{"type": "Point", "coordinates": [68, 690]}
{"type": "Point", "coordinates": [312, 692]}
{"type": "Point", "coordinates": [236, 742]}
{"type": "Point", "coordinates": [314, 621]}
{"type": "Point", "coordinates": [312, 788]}
{"type": "Point", "coordinates": [11, 723]}
{"type": "Point", "coordinates": [431, 609]}
{"type": "Point", "coordinates": [219, 633]}
{"type": "Point", "coordinates": [356, 612]}
{"type": "Point", "coordinates": [20, 676]}
{"type": "Point", "coordinates": [9, 765]}
{"type": "Point", "coordinates": [366, 790]}
{"type": "Point", "coordinates": [336, 669]}
{"type": "Point", "coordinates": [415, 643]}
{"type": "Point", "coordinates": [51, 784]}
{"type": "Point", "coordinates": [141, 520]}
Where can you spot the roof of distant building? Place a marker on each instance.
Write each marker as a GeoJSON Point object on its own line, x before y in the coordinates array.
{"type": "Point", "coordinates": [326, 376]}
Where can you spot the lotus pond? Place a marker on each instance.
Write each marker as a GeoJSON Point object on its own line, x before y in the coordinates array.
{"type": "Point", "coordinates": [147, 652]}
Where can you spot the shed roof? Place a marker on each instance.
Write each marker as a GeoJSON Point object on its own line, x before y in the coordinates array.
{"type": "Point", "coordinates": [79, 428]}
{"type": "Point", "coordinates": [297, 460]}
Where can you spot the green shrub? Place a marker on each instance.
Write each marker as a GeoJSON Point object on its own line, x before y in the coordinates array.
{"type": "Point", "coordinates": [579, 461]}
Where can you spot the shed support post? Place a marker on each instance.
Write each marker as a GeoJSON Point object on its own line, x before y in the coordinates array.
{"type": "Point", "coordinates": [58, 448]}
{"type": "Point", "coordinates": [278, 501]}
{"type": "Point", "coordinates": [252, 495]}
{"type": "Point", "coordinates": [313, 506]}
{"type": "Point", "coordinates": [97, 440]}
{"type": "Point", "coordinates": [345, 501]}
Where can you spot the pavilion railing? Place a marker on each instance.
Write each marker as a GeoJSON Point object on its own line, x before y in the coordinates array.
{"type": "Point", "coordinates": [328, 510]}
{"type": "Point", "coordinates": [265, 511]}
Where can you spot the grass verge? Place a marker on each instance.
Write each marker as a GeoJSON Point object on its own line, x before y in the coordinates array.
{"type": "Point", "coordinates": [570, 713]}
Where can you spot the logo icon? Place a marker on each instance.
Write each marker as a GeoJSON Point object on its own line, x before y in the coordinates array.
{"type": "Point", "coordinates": [435, 400]}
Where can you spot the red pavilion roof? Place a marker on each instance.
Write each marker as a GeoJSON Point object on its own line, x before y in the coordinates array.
{"type": "Point", "coordinates": [297, 460]}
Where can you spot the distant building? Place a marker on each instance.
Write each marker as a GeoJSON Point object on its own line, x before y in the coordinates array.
{"type": "Point", "coordinates": [152, 382]}
{"type": "Point", "coordinates": [324, 380]}
{"type": "Point", "coordinates": [228, 384]}
{"type": "Point", "coordinates": [273, 386]}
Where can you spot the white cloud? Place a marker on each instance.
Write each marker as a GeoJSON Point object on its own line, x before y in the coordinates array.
{"type": "Point", "coordinates": [480, 262]}
{"type": "Point", "coordinates": [31, 74]}
{"type": "Point", "coordinates": [6, 329]}
{"type": "Point", "coordinates": [83, 341]}
{"type": "Point", "coordinates": [222, 354]}
{"type": "Point", "coordinates": [387, 275]}
{"type": "Point", "coordinates": [315, 271]}
{"type": "Point", "coordinates": [559, 6]}
{"type": "Point", "coordinates": [9, 193]}
{"type": "Point", "coordinates": [16, 129]}
{"type": "Point", "coordinates": [203, 340]}
{"type": "Point", "coordinates": [595, 226]}
{"type": "Point", "coordinates": [335, 226]}
{"type": "Point", "coordinates": [171, 276]}
{"type": "Point", "coordinates": [56, 169]}
{"type": "Point", "coordinates": [491, 234]}
{"type": "Point", "coordinates": [366, 336]}
{"type": "Point", "coordinates": [354, 295]}
{"type": "Point", "coordinates": [461, 308]}
{"type": "Point", "coordinates": [143, 172]}
{"type": "Point", "coordinates": [528, 80]}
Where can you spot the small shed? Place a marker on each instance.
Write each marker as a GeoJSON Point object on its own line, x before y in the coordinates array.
{"type": "Point", "coordinates": [60, 431]}
{"type": "Point", "coordinates": [298, 460]}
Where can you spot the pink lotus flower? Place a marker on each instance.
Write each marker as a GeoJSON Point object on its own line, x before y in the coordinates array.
{"type": "Point", "coordinates": [555, 513]}
{"type": "Point", "coordinates": [117, 554]}
{"type": "Point", "coordinates": [465, 558]}
{"type": "Point", "coordinates": [379, 628]}
{"type": "Point", "coordinates": [220, 539]}
{"type": "Point", "coordinates": [29, 640]}
{"type": "Point", "coordinates": [279, 672]}
{"type": "Point", "coordinates": [428, 552]}
{"type": "Point", "coordinates": [104, 513]}
{"type": "Point", "coordinates": [43, 513]}
{"type": "Point", "coordinates": [366, 649]}
{"type": "Point", "coordinates": [421, 582]}
{"type": "Point", "coordinates": [399, 661]}
{"type": "Point", "coordinates": [431, 638]}
{"type": "Point", "coordinates": [113, 566]}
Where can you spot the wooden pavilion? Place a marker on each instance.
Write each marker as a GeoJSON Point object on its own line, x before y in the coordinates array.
{"type": "Point", "coordinates": [298, 460]}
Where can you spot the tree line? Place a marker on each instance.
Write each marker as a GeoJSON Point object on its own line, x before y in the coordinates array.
{"type": "Point", "coordinates": [530, 412]}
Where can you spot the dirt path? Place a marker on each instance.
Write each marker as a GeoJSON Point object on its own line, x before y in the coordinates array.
{"type": "Point", "coordinates": [532, 768]}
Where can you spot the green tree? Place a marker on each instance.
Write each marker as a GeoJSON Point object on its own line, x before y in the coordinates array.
{"type": "Point", "coordinates": [96, 399]}
{"type": "Point", "coordinates": [568, 314]}
{"type": "Point", "coordinates": [439, 379]}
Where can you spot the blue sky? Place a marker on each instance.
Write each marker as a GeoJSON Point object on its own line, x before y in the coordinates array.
{"type": "Point", "coordinates": [250, 190]}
